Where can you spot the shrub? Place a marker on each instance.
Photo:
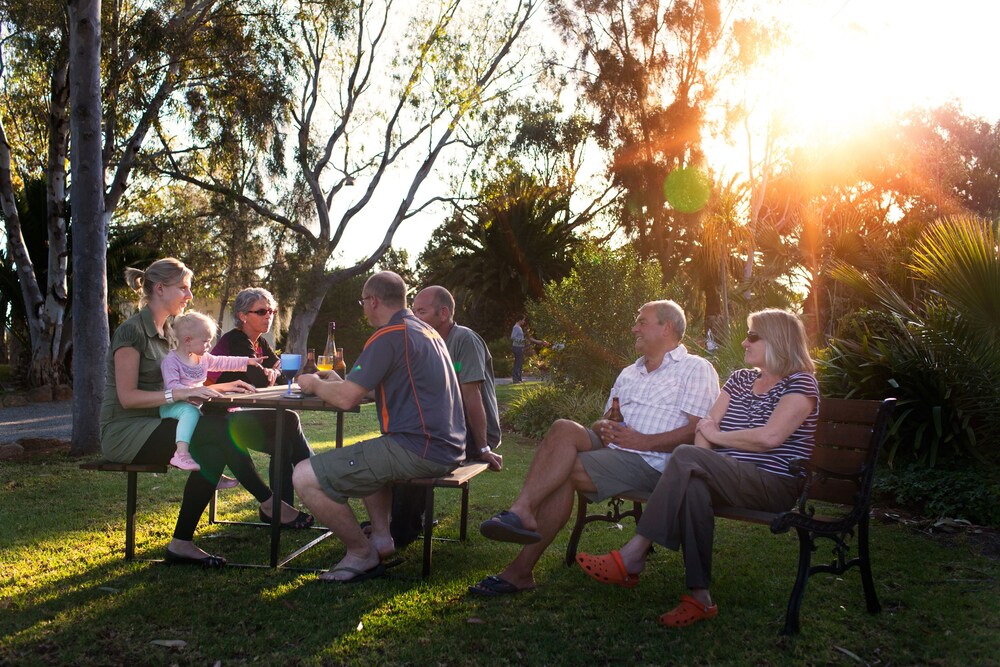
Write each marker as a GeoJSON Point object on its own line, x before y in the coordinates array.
{"type": "Point", "coordinates": [588, 314]}
{"type": "Point", "coordinates": [503, 357]}
{"type": "Point", "coordinates": [964, 493]}
{"type": "Point", "coordinates": [936, 349]}
{"type": "Point", "coordinates": [536, 408]}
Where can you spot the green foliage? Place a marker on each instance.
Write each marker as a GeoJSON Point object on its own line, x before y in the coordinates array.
{"type": "Point", "coordinates": [939, 354]}
{"type": "Point", "coordinates": [964, 493]}
{"type": "Point", "coordinates": [729, 355]}
{"type": "Point", "coordinates": [536, 408]}
{"type": "Point", "coordinates": [502, 250]}
{"type": "Point", "coordinates": [503, 357]}
{"type": "Point", "coordinates": [591, 312]}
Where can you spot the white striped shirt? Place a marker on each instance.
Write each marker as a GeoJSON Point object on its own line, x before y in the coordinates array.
{"type": "Point", "coordinates": [661, 401]}
{"type": "Point", "coordinates": [749, 410]}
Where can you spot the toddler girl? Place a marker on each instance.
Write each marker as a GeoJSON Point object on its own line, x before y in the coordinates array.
{"type": "Point", "coordinates": [187, 366]}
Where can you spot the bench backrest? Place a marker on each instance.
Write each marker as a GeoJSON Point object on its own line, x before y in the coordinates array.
{"type": "Point", "coordinates": [848, 439]}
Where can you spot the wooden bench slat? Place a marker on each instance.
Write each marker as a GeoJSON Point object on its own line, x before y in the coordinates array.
{"type": "Point", "coordinates": [112, 466]}
{"type": "Point", "coordinates": [458, 476]}
{"type": "Point", "coordinates": [845, 461]}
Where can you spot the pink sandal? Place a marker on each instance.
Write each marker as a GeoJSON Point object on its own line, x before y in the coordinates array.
{"type": "Point", "coordinates": [183, 461]}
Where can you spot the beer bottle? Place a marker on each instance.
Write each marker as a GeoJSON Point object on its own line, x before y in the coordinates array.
{"type": "Point", "coordinates": [310, 365]}
{"type": "Point", "coordinates": [338, 363]}
{"type": "Point", "coordinates": [614, 413]}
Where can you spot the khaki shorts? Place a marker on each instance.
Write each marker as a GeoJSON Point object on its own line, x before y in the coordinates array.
{"type": "Point", "coordinates": [364, 468]}
{"type": "Point", "coordinates": [615, 471]}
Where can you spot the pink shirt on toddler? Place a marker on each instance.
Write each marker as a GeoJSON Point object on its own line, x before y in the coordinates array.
{"type": "Point", "coordinates": [179, 374]}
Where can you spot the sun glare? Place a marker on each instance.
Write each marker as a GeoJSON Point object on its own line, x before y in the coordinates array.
{"type": "Point", "coordinates": [849, 65]}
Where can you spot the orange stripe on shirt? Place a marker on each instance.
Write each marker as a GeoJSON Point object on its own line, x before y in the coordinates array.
{"type": "Point", "coordinates": [385, 330]}
{"type": "Point", "coordinates": [416, 400]}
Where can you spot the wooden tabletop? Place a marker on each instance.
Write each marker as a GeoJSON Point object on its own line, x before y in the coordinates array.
{"type": "Point", "coordinates": [276, 397]}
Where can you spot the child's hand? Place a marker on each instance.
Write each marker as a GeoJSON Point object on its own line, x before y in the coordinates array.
{"type": "Point", "coordinates": [255, 361]}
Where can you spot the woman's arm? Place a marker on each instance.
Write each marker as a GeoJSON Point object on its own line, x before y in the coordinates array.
{"type": "Point", "coordinates": [791, 411]}
{"type": "Point", "coordinates": [127, 384]}
{"type": "Point", "coordinates": [715, 415]}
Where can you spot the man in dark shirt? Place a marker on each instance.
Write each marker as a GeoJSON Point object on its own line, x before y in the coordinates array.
{"type": "Point", "coordinates": [406, 365]}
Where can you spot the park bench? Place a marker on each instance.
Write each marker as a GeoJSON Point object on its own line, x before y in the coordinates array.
{"type": "Point", "coordinates": [131, 471]}
{"type": "Point", "coordinates": [839, 474]}
{"type": "Point", "coordinates": [457, 479]}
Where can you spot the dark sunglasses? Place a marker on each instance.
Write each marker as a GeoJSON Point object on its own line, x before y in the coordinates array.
{"type": "Point", "coordinates": [261, 312]}
{"type": "Point", "coordinates": [752, 336]}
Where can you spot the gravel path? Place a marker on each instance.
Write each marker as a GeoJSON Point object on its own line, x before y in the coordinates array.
{"type": "Point", "coordinates": [37, 420]}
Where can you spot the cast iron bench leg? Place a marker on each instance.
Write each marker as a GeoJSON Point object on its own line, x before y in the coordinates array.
{"type": "Point", "coordinates": [801, 579]}
{"type": "Point", "coordinates": [865, 565]}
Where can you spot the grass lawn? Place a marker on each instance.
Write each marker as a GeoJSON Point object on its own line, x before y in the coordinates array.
{"type": "Point", "coordinates": [68, 598]}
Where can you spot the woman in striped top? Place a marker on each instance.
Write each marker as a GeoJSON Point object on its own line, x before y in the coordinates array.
{"type": "Point", "coordinates": [765, 416]}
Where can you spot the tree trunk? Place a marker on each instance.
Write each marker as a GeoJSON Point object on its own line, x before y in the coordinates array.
{"type": "Point", "coordinates": [90, 239]}
{"type": "Point", "coordinates": [46, 310]}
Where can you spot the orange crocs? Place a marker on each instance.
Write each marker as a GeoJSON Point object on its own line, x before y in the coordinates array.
{"type": "Point", "coordinates": [689, 611]}
{"type": "Point", "coordinates": [608, 569]}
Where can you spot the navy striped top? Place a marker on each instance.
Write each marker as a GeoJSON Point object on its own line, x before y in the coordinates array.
{"type": "Point", "coordinates": [749, 410]}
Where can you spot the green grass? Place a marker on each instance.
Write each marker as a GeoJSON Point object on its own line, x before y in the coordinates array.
{"type": "Point", "coordinates": [68, 598]}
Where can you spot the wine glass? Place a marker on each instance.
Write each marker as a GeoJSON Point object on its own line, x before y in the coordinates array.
{"type": "Point", "coordinates": [290, 365]}
{"type": "Point", "coordinates": [324, 363]}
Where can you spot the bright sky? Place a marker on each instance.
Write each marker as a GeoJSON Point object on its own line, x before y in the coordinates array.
{"type": "Point", "coordinates": [851, 60]}
{"type": "Point", "coordinates": [848, 62]}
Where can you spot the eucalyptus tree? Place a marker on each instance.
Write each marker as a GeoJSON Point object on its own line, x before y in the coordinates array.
{"type": "Point", "coordinates": [650, 68]}
{"type": "Point", "coordinates": [90, 305]}
{"type": "Point", "coordinates": [153, 52]}
{"type": "Point", "coordinates": [382, 92]}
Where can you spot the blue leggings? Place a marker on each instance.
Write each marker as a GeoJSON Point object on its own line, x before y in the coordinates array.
{"type": "Point", "coordinates": [187, 417]}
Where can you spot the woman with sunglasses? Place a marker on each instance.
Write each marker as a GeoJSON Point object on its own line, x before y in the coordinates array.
{"type": "Point", "coordinates": [253, 312]}
{"type": "Point", "coordinates": [765, 417]}
{"type": "Point", "coordinates": [254, 309]}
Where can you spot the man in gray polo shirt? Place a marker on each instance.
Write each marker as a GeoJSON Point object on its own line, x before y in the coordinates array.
{"type": "Point", "coordinates": [418, 401]}
{"type": "Point", "coordinates": [474, 366]}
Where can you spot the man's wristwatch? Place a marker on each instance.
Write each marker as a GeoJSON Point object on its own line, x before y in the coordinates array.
{"type": "Point", "coordinates": [168, 396]}
{"type": "Point", "coordinates": [484, 450]}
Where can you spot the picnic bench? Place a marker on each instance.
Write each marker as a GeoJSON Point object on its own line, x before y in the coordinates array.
{"type": "Point", "coordinates": [457, 479]}
{"type": "Point", "coordinates": [839, 474]}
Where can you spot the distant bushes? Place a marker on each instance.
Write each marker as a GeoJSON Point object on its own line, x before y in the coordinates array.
{"type": "Point", "coordinates": [537, 407]}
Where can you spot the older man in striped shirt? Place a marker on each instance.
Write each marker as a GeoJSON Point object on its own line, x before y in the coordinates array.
{"type": "Point", "coordinates": [662, 396]}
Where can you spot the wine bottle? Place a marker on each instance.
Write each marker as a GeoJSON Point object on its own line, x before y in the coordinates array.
{"type": "Point", "coordinates": [330, 351]}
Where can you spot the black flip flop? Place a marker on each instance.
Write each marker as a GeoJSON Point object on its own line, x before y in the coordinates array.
{"type": "Point", "coordinates": [208, 562]}
{"type": "Point", "coordinates": [507, 527]}
{"type": "Point", "coordinates": [359, 575]}
{"type": "Point", "coordinates": [494, 586]}
{"type": "Point", "coordinates": [300, 522]}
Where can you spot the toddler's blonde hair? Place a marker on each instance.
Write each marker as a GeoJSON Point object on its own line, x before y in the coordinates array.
{"type": "Point", "coordinates": [190, 324]}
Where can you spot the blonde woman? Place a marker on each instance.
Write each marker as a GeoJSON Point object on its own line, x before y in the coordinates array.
{"type": "Point", "coordinates": [132, 430]}
{"type": "Point", "coordinates": [764, 418]}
